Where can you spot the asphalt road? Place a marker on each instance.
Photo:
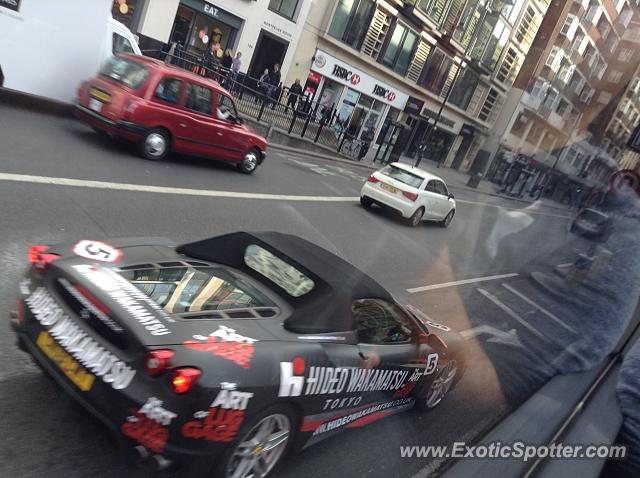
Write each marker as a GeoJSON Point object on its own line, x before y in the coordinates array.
{"type": "Point", "coordinates": [44, 433]}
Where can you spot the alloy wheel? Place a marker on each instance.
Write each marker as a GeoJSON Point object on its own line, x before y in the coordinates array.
{"type": "Point", "coordinates": [155, 145]}
{"type": "Point", "coordinates": [441, 384]}
{"type": "Point", "coordinates": [261, 448]}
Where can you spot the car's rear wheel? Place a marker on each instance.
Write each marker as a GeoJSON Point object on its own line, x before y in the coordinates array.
{"type": "Point", "coordinates": [416, 217]}
{"type": "Point", "coordinates": [155, 145]}
{"type": "Point", "coordinates": [448, 218]}
{"type": "Point", "coordinates": [366, 202]}
{"type": "Point", "coordinates": [260, 446]}
{"type": "Point", "coordinates": [250, 162]}
{"type": "Point", "coordinates": [440, 386]}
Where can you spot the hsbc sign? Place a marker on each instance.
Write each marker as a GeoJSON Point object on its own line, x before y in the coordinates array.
{"type": "Point", "coordinates": [357, 80]}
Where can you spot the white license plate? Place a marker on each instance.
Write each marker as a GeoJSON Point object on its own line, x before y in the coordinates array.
{"type": "Point", "coordinates": [95, 105]}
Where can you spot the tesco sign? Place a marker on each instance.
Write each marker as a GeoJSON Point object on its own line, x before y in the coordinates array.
{"type": "Point", "coordinates": [357, 80]}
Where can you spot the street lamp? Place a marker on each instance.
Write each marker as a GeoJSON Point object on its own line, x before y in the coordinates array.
{"type": "Point", "coordinates": [493, 7]}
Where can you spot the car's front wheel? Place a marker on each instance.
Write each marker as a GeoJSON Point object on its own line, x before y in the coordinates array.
{"type": "Point", "coordinates": [416, 217]}
{"type": "Point", "coordinates": [440, 386]}
{"type": "Point", "coordinates": [260, 446]}
{"type": "Point", "coordinates": [155, 145]}
{"type": "Point", "coordinates": [250, 162]}
{"type": "Point", "coordinates": [448, 218]}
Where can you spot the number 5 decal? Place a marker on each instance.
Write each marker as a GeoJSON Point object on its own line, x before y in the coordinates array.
{"type": "Point", "coordinates": [98, 251]}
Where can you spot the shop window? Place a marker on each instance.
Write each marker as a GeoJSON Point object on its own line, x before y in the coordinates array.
{"type": "Point", "coordinates": [463, 89]}
{"type": "Point", "coordinates": [436, 71]}
{"type": "Point", "coordinates": [199, 99]}
{"type": "Point", "coordinates": [400, 49]}
{"type": "Point", "coordinates": [124, 12]}
{"type": "Point", "coordinates": [208, 34]}
{"type": "Point", "coordinates": [169, 90]}
{"type": "Point", "coordinates": [351, 21]}
{"type": "Point", "coordinates": [286, 8]}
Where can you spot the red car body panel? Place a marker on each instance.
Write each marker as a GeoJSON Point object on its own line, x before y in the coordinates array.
{"type": "Point", "coordinates": [129, 113]}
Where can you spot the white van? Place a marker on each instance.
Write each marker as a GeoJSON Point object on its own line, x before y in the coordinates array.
{"type": "Point", "coordinates": [48, 48]}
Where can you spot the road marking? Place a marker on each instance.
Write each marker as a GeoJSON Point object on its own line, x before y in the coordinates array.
{"type": "Point", "coordinates": [84, 183]}
{"type": "Point", "coordinates": [459, 282]}
{"type": "Point", "coordinates": [501, 305]}
{"type": "Point", "coordinates": [566, 264]}
{"type": "Point", "coordinates": [539, 307]}
{"type": "Point", "coordinates": [523, 210]}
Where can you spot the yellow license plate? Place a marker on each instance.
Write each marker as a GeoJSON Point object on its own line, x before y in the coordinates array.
{"type": "Point", "coordinates": [99, 95]}
{"type": "Point", "coordinates": [65, 362]}
{"type": "Point", "coordinates": [391, 189]}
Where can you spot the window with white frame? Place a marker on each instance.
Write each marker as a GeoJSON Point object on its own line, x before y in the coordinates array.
{"type": "Point", "coordinates": [618, 4]}
{"type": "Point", "coordinates": [577, 82]}
{"type": "Point", "coordinates": [570, 26]}
{"type": "Point", "coordinates": [600, 68]}
{"type": "Point", "coordinates": [614, 76]}
{"type": "Point", "coordinates": [604, 97]}
{"type": "Point", "coordinates": [571, 155]}
{"type": "Point", "coordinates": [587, 94]}
{"type": "Point", "coordinates": [625, 54]}
{"type": "Point", "coordinates": [625, 17]}
{"type": "Point", "coordinates": [555, 58]}
{"type": "Point", "coordinates": [564, 75]}
{"type": "Point", "coordinates": [539, 89]}
{"type": "Point", "coordinates": [635, 85]}
{"type": "Point", "coordinates": [488, 105]}
{"type": "Point", "coordinates": [551, 99]}
{"type": "Point", "coordinates": [508, 68]}
{"type": "Point", "coordinates": [593, 14]}
{"type": "Point", "coordinates": [563, 108]}
{"type": "Point", "coordinates": [604, 28]}
{"type": "Point", "coordinates": [590, 55]}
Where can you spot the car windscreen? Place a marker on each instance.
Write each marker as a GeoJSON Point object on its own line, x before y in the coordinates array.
{"type": "Point", "coordinates": [196, 289]}
{"type": "Point", "coordinates": [403, 176]}
{"type": "Point", "coordinates": [126, 72]}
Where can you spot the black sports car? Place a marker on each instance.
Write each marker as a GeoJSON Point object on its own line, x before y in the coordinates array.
{"type": "Point", "coordinates": [226, 353]}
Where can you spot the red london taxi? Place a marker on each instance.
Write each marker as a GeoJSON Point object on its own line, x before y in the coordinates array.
{"type": "Point", "coordinates": [163, 108]}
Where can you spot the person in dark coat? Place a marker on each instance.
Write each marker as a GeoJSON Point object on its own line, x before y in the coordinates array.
{"type": "Point", "coordinates": [227, 59]}
{"type": "Point", "coordinates": [274, 83]}
{"type": "Point", "coordinates": [295, 91]}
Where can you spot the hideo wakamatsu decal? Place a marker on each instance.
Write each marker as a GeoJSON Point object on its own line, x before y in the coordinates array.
{"type": "Point", "coordinates": [296, 379]}
{"type": "Point", "coordinates": [98, 251]}
{"type": "Point", "coordinates": [147, 425]}
{"type": "Point", "coordinates": [74, 340]}
{"type": "Point", "coordinates": [223, 419]}
{"type": "Point", "coordinates": [225, 343]}
{"type": "Point", "coordinates": [138, 305]}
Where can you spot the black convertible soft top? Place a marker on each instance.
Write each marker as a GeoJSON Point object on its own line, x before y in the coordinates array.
{"type": "Point", "coordinates": [326, 308]}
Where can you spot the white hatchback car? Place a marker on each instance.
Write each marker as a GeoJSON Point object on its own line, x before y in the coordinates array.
{"type": "Point", "coordinates": [413, 192]}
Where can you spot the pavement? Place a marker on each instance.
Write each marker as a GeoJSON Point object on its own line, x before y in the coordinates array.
{"type": "Point", "coordinates": [59, 181]}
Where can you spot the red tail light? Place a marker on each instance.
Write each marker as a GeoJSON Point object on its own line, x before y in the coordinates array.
{"type": "Point", "coordinates": [373, 179]}
{"type": "Point", "coordinates": [39, 258]}
{"type": "Point", "coordinates": [157, 361]}
{"type": "Point", "coordinates": [183, 379]}
{"type": "Point", "coordinates": [411, 196]}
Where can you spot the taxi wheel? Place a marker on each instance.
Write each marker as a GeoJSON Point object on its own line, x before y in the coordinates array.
{"type": "Point", "coordinates": [250, 162]}
{"type": "Point", "coordinates": [260, 445]}
{"type": "Point", "coordinates": [155, 145]}
{"type": "Point", "coordinates": [416, 217]}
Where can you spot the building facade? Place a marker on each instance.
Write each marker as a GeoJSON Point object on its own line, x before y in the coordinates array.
{"type": "Point", "coordinates": [264, 31]}
{"type": "Point", "coordinates": [377, 63]}
{"type": "Point", "coordinates": [565, 124]}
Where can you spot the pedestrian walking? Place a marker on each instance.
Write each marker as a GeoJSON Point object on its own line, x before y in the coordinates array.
{"type": "Point", "coordinates": [263, 84]}
{"type": "Point", "coordinates": [236, 63]}
{"type": "Point", "coordinates": [295, 91]}
{"type": "Point", "coordinates": [274, 82]}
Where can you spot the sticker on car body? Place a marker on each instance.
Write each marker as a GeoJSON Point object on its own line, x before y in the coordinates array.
{"type": "Point", "coordinates": [97, 250]}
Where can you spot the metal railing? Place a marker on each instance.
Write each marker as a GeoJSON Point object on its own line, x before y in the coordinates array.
{"type": "Point", "coordinates": [273, 105]}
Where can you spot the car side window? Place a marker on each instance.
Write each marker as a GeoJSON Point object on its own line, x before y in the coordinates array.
{"type": "Point", "coordinates": [169, 90]}
{"type": "Point", "coordinates": [445, 191]}
{"type": "Point", "coordinates": [441, 188]}
{"type": "Point", "coordinates": [120, 44]}
{"type": "Point", "coordinates": [226, 108]}
{"type": "Point", "coordinates": [380, 322]}
{"type": "Point", "coordinates": [431, 187]}
{"type": "Point", "coordinates": [199, 99]}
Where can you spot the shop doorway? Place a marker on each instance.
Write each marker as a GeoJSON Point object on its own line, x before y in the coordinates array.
{"type": "Point", "coordinates": [269, 51]}
{"type": "Point", "coordinates": [462, 152]}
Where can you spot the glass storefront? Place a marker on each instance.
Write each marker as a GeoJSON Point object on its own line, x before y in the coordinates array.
{"type": "Point", "coordinates": [125, 11]}
{"type": "Point", "coordinates": [209, 29]}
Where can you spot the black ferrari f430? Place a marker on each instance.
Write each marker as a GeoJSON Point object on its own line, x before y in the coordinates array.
{"type": "Point", "coordinates": [228, 352]}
